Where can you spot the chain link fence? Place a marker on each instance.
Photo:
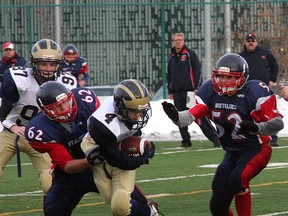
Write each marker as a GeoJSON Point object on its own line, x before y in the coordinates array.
{"type": "Point", "coordinates": [132, 39]}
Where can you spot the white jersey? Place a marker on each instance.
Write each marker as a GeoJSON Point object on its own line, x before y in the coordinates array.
{"type": "Point", "coordinates": [26, 107]}
{"type": "Point", "coordinates": [111, 122]}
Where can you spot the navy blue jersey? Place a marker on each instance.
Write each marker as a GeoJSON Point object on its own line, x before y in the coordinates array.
{"type": "Point", "coordinates": [254, 102]}
{"type": "Point", "coordinates": [44, 133]}
{"type": "Point", "coordinates": [77, 68]}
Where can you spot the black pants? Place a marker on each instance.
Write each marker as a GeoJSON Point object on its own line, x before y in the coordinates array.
{"type": "Point", "coordinates": [206, 126]}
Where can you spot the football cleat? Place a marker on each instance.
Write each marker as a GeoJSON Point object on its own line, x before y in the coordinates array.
{"type": "Point", "coordinates": [154, 208]}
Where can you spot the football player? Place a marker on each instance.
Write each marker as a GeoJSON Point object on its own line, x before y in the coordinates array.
{"type": "Point", "coordinates": [118, 117]}
{"type": "Point", "coordinates": [74, 64]}
{"type": "Point", "coordinates": [18, 104]}
{"type": "Point", "coordinates": [245, 114]}
{"type": "Point", "coordinates": [58, 130]}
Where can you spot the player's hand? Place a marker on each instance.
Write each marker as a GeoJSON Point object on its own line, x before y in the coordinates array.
{"type": "Point", "coordinates": [18, 130]}
{"type": "Point", "coordinates": [148, 153]}
{"type": "Point", "coordinates": [94, 157]}
{"type": "Point", "coordinates": [248, 126]}
{"type": "Point", "coordinates": [170, 111]}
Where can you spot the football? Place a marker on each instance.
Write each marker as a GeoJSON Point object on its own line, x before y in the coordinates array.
{"type": "Point", "coordinates": [134, 145]}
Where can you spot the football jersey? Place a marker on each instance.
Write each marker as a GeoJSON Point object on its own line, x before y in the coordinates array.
{"type": "Point", "coordinates": [254, 102]}
{"type": "Point", "coordinates": [19, 88]}
{"type": "Point", "coordinates": [107, 116]}
{"type": "Point", "coordinates": [80, 66]}
{"type": "Point", "coordinates": [69, 134]}
{"type": "Point", "coordinates": [107, 131]}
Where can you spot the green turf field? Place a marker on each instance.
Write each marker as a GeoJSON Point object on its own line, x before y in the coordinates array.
{"type": "Point", "coordinates": [179, 179]}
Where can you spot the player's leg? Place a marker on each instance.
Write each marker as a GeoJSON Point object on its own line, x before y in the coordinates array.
{"type": "Point", "coordinates": [123, 182]}
{"type": "Point", "coordinates": [249, 165]}
{"type": "Point", "coordinates": [221, 193]}
{"type": "Point", "coordinates": [138, 195]}
{"type": "Point", "coordinates": [66, 192]}
{"type": "Point", "coordinates": [102, 177]}
{"type": "Point", "coordinates": [41, 162]}
{"type": "Point", "coordinates": [7, 149]}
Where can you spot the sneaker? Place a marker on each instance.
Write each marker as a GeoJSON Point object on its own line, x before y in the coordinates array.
{"type": "Point", "coordinates": [274, 143]}
{"type": "Point", "coordinates": [154, 208]}
{"type": "Point", "coordinates": [186, 144]}
{"type": "Point", "coordinates": [217, 143]}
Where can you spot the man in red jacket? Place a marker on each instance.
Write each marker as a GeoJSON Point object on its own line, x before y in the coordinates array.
{"type": "Point", "coordinates": [11, 58]}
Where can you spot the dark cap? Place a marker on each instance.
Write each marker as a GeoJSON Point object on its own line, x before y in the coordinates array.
{"type": "Point", "coordinates": [251, 36]}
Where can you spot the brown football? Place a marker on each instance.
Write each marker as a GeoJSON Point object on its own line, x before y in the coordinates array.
{"type": "Point", "coordinates": [134, 145]}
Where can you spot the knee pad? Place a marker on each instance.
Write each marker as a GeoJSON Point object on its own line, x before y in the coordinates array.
{"type": "Point", "coordinates": [120, 203]}
{"type": "Point", "coordinates": [45, 180]}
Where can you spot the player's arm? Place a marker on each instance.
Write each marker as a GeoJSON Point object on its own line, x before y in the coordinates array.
{"type": "Point", "coordinates": [267, 119]}
{"type": "Point", "coordinates": [9, 95]}
{"type": "Point", "coordinates": [61, 157]}
{"type": "Point", "coordinates": [186, 117]}
{"type": "Point", "coordinates": [110, 147]}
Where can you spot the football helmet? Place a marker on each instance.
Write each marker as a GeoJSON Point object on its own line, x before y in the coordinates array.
{"type": "Point", "coordinates": [132, 95]}
{"type": "Point", "coordinates": [53, 98]}
{"type": "Point", "coordinates": [45, 50]}
{"type": "Point", "coordinates": [235, 68]}
{"type": "Point", "coordinates": [70, 53]}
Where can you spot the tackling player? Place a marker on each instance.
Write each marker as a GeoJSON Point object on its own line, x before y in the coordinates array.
{"type": "Point", "coordinates": [18, 104]}
{"type": "Point", "coordinates": [58, 130]}
{"type": "Point", "coordinates": [245, 114]}
{"type": "Point", "coordinates": [117, 118]}
{"type": "Point", "coordinates": [75, 64]}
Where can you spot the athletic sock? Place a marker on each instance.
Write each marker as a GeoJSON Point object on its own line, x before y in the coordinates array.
{"type": "Point", "coordinates": [243, 203]}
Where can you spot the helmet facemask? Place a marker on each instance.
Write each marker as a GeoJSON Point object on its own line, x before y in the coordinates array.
{"type": "Point", "coordinates": [45, 50]}
{"type": "Point", "coordinates": [131, 96]}
{"type": "Point", "coordinates": [45, 75]}
{"type": "Point", "coordinates": [144, 113]}
{"type": "Point", "coordinates": [236, 82]}
{"type": "Point", "coordinates": [71, 53]}
{"type": "Point", "coordinates": [230, 75]}
{"type": "Point", "coordinates": [53, 110]}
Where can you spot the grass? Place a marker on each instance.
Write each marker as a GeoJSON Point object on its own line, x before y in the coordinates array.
{"type": "Point", "coordinates": [174, 178]}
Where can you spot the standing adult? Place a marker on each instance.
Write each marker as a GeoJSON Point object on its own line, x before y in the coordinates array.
{"type": "Point", "coordinates": [246, 114]}
{"type": "Point", "coordinates": [263, 66]}
{"type": "Point", "coordinates": [75, 64]}
{"type": "Point", "coordinates": [10, 58]}
{"type": "Point", "coordinates": [18, 104]}
{"type": "Point", "coordinates": [185, 74]}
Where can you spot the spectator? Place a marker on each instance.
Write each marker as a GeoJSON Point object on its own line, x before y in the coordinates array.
{"type": "Point", "coordinates": [263, 66]}
{"type": "Point", "coordinates": [11, 58]}
{"type": "Point", "coordinates": [117, 118]}
{"type": "Point", "coordinates": [246, 114]}
{"type": "Point", "coordinates": [18, 105]}
{"type": "Point", "coordinates": [185, 74]}
{"type": "Point", "coordinates": [75, 64]}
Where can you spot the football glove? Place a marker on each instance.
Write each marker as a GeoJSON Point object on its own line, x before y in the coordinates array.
{"type": "Point", "coordinates": [94, 157]}
{"type": "Point", "coordinates": [181, 119]}
{"type": "Point", "coordinates": [248, 126]}
{"type": "Point", "coordinates": [148, 153]}
{"type": "Point", "coordinates": [170, 111]}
